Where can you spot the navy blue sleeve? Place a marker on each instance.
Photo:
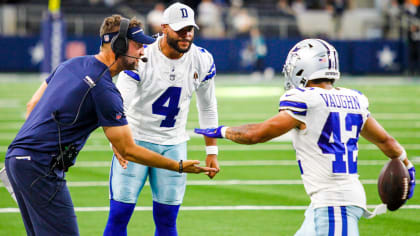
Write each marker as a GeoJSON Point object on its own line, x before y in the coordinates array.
{"type": "Point", "coordinates": [109, 108]}
{"type": "Point", "coordinates": [47, 80]}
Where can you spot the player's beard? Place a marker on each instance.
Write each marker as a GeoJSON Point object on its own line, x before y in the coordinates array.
{"type": "Point", "coordinates": [174, 44]}
{"type": "Point", "coordinates": [128, 64]}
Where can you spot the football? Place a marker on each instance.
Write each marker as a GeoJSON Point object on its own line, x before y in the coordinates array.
{"type": "Point", "coordinates": [393, 184]}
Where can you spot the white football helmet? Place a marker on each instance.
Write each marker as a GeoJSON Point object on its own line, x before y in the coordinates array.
{"type": "Point", "coordinates": [308, 60]}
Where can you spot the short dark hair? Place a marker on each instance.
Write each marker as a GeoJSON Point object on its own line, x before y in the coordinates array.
{"type": "Point", "coordinates": [318, 81]}
{"type": "Point", "coordinates": [112, 24]}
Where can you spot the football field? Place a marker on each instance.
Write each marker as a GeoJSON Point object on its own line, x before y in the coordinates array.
{"type": "Point", "coordinates": [258, 190]}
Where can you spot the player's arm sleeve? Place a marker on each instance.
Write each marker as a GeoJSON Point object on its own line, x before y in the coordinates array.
{"type": "Point", "coordinates": [206, 99]}
{"type": "Point", "coordinates": [294, 103]}
{"type": "Point", "coordinates": [48, 79]}
{"type": "Point", "coordinates": [109, 108]}
{"type": "Point", "coordinates": [127, 84]}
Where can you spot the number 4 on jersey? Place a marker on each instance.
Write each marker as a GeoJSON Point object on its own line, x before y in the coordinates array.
{"type": "Point", "coordinates": [171, 98]}
{"type": "Point", "coordinates": [330, 141]}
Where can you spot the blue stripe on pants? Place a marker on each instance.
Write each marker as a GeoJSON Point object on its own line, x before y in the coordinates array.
{"type": "Point", "coordinates": [344, 220]}
{"type": "Point", "coordinates": [331, 221]}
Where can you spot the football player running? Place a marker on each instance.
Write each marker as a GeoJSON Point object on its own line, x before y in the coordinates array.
{"type": "Point", "coordinates": [326, 122]}
{"type": "Point", "coordinates": [156, 100]}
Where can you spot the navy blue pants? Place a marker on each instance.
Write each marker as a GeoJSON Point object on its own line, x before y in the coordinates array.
{"type": "Point", "coordinates": [43, 198]}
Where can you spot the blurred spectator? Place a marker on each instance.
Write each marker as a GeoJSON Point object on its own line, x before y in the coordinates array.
{"type": "Point", "coordinates": [243, 23]}
{"type": "Point", "coordinates": [298, 6]}
{"type": "Point", "coordinates": [240, 19]}
{"type": "Point", "coordinates": [154, 18]}
{"type": "Point", "coordinates": [94, 2]}
{"type": "Point", "coordinates": [315, 4]}
{"type": "Point", "coordinates": [412, 16]}
{"type": "Point", "coordinates": [392, 19]}
{"type": "Point", "coordinates": [259, 52]}
{"type": "Point", "coordinates": [410, 7]}
{"type": "Point", "coordinates": [284, 8]}
{"type": "Point", "coordinates": [414, 50]}
{"type": "Point", "coordinates": [253, 56]}
{"type": "Point", "coordinates": [337, 8]}
{"type": "Point", "coordinates": [259, 48]}
{"type": "Point", "coordinates": [210, 20]}
{"type": "Point", "coordinates": [111, 3]}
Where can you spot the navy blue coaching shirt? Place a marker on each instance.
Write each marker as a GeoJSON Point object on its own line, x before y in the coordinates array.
{"type": "Point", "coordinates": [66, 87]}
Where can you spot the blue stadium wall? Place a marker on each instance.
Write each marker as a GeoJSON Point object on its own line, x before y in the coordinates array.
{"type": "Point", "coordinates": [356, 57]}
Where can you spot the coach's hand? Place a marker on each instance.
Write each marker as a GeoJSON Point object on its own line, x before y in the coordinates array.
{"type": "Point", "coordinates": [412, 173]}
{"type": "Point", "coordinates": [212, 132]}
{"type": "Point", "coordinates": [123, 162]}
{"type": "Point", "coordinates": [191, 166]}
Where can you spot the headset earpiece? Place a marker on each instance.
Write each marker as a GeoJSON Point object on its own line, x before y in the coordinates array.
{"type": "Point", "coordinates": [119, 43]}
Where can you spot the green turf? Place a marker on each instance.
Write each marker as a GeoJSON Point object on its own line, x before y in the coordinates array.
{"type": "Point", "coordinates": [396, 107]}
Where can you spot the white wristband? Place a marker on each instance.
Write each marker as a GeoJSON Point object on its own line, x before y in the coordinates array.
{"type": "Point", "coordinates": [223, 131]}
{"type": "Point", "coordinates": [403, 155]}
{"type": "Point", "coordinates": [212, 150]}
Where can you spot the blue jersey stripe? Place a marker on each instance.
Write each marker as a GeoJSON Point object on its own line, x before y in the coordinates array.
{"type": "Point", "coordinates": [344, 220]}
{"type": "Point", "coordinates": [210, 76]}
{"type": "Point", "coordinates": [301, 113]}
{"type": "Point", "coordinates": [293, 104]}
{"type": "Point", "coordinates": [132, 74]}
{"type": "Point", "coordinates": [357, 91]}
{"type": "Point", "coordinates": [111, 193]}
{"type": "Point", "coordinates": [331, 221]}
{"type": "Point", "coordinates": [300, 167]}
{"type": "Point", "coordinates": [211, 68]}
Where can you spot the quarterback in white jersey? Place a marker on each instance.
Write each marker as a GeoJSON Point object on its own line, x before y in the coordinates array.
{"type": "Point", "coordinates": [326, 123]}
{"type": "Point", "coordinates": [157, 96]}
{"type": "Point", "coordinates": [156, 102]}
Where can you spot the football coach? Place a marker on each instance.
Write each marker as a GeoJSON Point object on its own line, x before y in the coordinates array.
{"type": "Point", "coordinates": [78, 97]}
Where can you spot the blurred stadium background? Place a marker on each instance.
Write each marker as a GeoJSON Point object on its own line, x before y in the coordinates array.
{"type": "Point", "coordinates": [258, 191]}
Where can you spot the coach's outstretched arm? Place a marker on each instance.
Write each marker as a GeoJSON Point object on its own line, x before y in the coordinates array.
{"type": "Point", "coordinates": [121, 138]}
{"type": "Point", "coordinates": [255, 133]}
{"type": "Point", "coordinates": [376, 134]}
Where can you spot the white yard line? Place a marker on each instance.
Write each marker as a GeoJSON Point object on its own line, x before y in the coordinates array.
{"type": "Point", "coordinates": [273, 146]}
{"type": "Point", "coordinates": [9, 103]}
{"type": "Point", "coordinates": [212, 182]}
{"type": "Point", "coordinates": [248, 163]}
{"type": "Point", "coordinates": [239, 116]}
{"type": "Point", "coordinates": [380, 162]}
{"type": "Point", "coordinates": [100, 137]}
{"type": "Point", "coordinates": [207, 208]}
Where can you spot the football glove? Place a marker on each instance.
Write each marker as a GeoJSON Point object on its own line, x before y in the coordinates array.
{"type": "Point", "coordinates": [211, 132]}
{"type": "Point", "coordinates": [412, 173]}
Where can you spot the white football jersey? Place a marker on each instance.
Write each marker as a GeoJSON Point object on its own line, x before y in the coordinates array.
{"type": "Point", "coordinates": [157, 96]}
{"type": "Point", "coordinates": [327, 149]}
